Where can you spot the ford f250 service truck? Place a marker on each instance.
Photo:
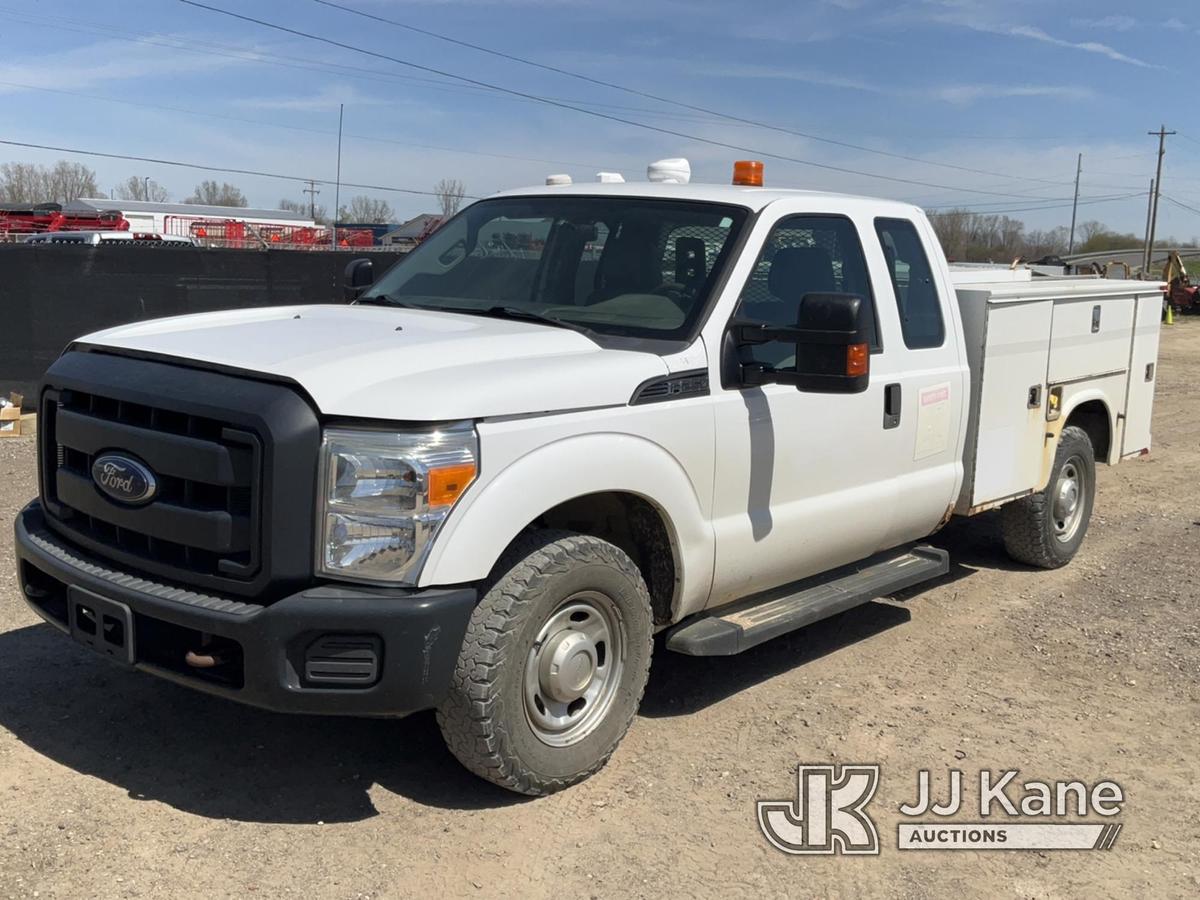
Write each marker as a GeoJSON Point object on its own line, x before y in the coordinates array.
{"type": "Point", "coordinates": [574, 417]}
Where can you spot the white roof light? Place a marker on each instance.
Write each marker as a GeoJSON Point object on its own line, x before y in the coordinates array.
{"type": "Point", "coordinates": [610, 178]}
{"type": "Point", "coordinates": [669, 171]}
{"type": "Point", "coordinates": [558, 179]}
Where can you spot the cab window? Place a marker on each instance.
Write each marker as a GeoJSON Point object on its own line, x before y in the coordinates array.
{"type": "Point", "coordinates": [912, 279]}
{"type": "Point", "coordinates": [804, 255]}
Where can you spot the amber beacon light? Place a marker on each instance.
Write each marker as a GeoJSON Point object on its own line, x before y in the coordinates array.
{"type": "Point", "coordinates": [748, 173]}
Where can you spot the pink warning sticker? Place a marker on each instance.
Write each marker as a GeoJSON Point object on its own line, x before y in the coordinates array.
{"type": "Point", "coordinates": [938, 394]}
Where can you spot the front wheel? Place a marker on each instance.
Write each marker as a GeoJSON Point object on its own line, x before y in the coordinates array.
{"type": "Point", "coordinates": [1045, 529]}
{"type": "Point", "coordinates": [553, 665]}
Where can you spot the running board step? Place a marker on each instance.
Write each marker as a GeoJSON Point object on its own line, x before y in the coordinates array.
{"type": "Point", "coordinates": [748, 623]}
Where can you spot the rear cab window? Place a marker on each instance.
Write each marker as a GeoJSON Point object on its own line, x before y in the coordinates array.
{"type": "Point", "coordinates": [917, 298]}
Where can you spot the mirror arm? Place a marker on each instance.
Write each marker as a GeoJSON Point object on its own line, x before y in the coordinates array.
{"type": "Point", "coordinates": [755, 333]}
{"type": "Point", "coordinates": [758, 374]}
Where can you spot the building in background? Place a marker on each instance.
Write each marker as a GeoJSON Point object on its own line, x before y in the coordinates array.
{"type": "Point", "coordinates": [166, 218]}
{"type": "Point", "coordinates": [413, 231]}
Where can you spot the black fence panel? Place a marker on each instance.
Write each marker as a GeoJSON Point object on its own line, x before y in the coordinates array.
{"type": "Point", "coordinates": [51, 294]}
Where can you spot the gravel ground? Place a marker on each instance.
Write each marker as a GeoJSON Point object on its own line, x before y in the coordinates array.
{"type": "Point", "coordinates": [113, 784]}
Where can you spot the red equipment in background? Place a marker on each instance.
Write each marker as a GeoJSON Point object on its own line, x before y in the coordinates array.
{"type": "Point", "coordinates": [1182, 295]}
{"type": "Point", "coordinates": [17, 219]}
{"type": "Point", "coordinates": [238, 235]}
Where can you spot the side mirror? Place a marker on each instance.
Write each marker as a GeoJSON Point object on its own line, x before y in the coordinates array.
{"type": "Point", "coordinates": [360, 275]}
{"type": "Point", "coordinates": [832, 341]}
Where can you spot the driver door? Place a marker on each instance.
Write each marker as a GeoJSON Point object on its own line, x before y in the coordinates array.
{"type": "Point", "coordinates": [806, 482]}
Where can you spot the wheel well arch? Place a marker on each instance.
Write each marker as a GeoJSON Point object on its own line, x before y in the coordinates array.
{"type": "Point", "coordinates": [637, 526]}
{"type": "Point", "coordinates": [1093, 417]}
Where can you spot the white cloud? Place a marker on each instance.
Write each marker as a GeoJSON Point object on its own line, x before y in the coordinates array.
{"type": "Point", "coordinates": [958, 94]}
{"type": "Point", "coordinates": [1108, 23]}
{"type": "Point", "coordinates": [1037, 34]}
{"type": "Point", "coordinates": [976, 17]}
{"type": "Point", "coordinates": [327, 99]}
{"type": "Point", "coordinates": [103, 62]}
{"type": "Point", "coordinates": [968, 93]}
{"type": "Point", "coordinates": [773, 73]}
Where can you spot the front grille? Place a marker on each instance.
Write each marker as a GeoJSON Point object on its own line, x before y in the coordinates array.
{"type": "Point", "coordinates": [205, 516]}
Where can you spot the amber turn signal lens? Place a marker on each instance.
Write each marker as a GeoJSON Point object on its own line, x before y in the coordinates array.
{"type": "Point", "coordinates": [748, 173]}
{"type": "Point", "coordinates": [447, 484]}
{"type": "Point", "coordinates": [858, 359]}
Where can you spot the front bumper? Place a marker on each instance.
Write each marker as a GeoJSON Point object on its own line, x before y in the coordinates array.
{"type": "Point", "coordinates": [330, 649]}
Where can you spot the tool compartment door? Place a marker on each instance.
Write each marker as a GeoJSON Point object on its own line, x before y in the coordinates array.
{"type": "Point", "coordinates": [1011, 431]}
{"type": "Point", "coordinates": [1089, 338]}
{"type": "Point", "coordinates": [1143, 372]}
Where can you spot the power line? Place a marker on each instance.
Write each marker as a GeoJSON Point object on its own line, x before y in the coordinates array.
{"type": "Point", "coordinates": [1181, 205]}
{"type": "Point", "coordinates": [274, 59]}
{"type": "Point", "coordinates": [322, 131]}
{"type": "Point", "coordinates": [219, 169]}
{"type": "Point", "coordinates": [998, 212]}
{"type": "Point", "coordinates": [511, 57]}
{"type": "Point", "coordinates": [562, 105]}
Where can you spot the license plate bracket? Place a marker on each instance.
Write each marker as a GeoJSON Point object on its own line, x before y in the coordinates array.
{"type": "Point", "coordinates": [104, 625]}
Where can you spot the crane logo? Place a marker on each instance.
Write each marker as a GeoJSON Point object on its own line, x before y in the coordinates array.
{"type": "Point", "coordinates": [828, 814]}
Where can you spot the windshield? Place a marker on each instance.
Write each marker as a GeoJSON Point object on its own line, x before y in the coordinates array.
{"type": "Point", "coordinates": [615, 265]}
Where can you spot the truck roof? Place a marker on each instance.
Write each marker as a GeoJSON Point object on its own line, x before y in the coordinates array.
{"type": "Point", "coordinates": [754, 198]}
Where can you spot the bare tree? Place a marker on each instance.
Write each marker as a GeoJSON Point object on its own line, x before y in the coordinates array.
{"type": "Point", "coordinates": [1090, 229]}
{"type": "Point", "coordinates": [210, 193]}
{"type": "Point", "coordinates": [61, 183]}
{"type": "Point", "coordinates": [316, 211]}
{"type": "Point", "coordinates": [136, 188]}
{"type": "Point", "coordinates": [69, 181]}
{"type": "Point", "coordinates": [450, 193]}
{"type": "Point", "coordinates": [982, 237]}
{"type": "Point", "coordinates": [22, 183]}
{"type": "Point", "coordinates": [365, 210]}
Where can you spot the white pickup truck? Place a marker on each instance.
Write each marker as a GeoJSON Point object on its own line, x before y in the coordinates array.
{"type": "Point", "coordinates": [575, 417]}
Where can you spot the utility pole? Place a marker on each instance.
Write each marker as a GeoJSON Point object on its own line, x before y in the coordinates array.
{"type": "Point", "coordinates": [337, 185]}
{"type": "Point", "coordinates": [312, 190]}
{"type": "Point", "coordinates": [146, 188]}
{"type": "Point", "coordinates": [1075, 205]}
{"type": "Point", "coordinates": [1149, 213]}
{"type": "Point", "coordinates": [1162, 140]}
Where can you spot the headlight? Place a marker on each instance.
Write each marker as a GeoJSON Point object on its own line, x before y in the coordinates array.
{"type": "Point", "coordinates": [385, 494]}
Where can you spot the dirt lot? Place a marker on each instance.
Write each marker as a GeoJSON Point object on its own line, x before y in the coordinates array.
{"type": "Point", "coordinates": [113, 784]}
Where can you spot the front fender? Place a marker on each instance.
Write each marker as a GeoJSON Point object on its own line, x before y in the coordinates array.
{"type": "Point", "coordinates": [492, 513]}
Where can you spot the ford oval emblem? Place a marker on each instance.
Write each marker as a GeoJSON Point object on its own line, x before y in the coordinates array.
{"type": "Point", "coordinates": [124, 479]}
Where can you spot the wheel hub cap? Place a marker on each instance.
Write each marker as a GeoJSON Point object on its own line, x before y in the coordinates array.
{"type": "Point", "coordinates": [1067, 500]}
{"type": "Point", "coordinates": [568, 665]}
{"type": "Point", "coordinates": [574, 669]}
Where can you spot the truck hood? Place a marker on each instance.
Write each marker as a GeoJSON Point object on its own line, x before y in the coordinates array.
{"type": "Point", "coordinates": [401, 364]}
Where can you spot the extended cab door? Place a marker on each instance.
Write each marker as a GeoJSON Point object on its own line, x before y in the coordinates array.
{"type": "Point", "coordinates": [806, 482]}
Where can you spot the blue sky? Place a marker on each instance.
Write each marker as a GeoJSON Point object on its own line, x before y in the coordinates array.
{"type": "Point", "coordinates": [1013, 89]}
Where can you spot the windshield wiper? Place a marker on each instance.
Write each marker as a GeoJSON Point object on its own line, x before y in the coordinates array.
{"type": "Point", "coordinates": [384, 300]}
{"type": "Point", "coordinates": [517, 313]}
{"type": "Point", "coordinates": [525, 315]}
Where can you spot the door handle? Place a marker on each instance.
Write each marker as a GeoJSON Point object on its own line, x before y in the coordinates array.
{"type": "Point", "coordinates": [891, 406]}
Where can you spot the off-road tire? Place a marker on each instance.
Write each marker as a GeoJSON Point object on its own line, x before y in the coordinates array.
{"type": "Point", "coordinates": [1028, 524]}
{"type": "Point", "coordinates": [483, 718]}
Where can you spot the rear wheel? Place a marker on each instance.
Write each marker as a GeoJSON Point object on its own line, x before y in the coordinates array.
{"type": "Point", "coordinates": [553, 665]}
{"type": "Point", "coordinates": [1045, 529]}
